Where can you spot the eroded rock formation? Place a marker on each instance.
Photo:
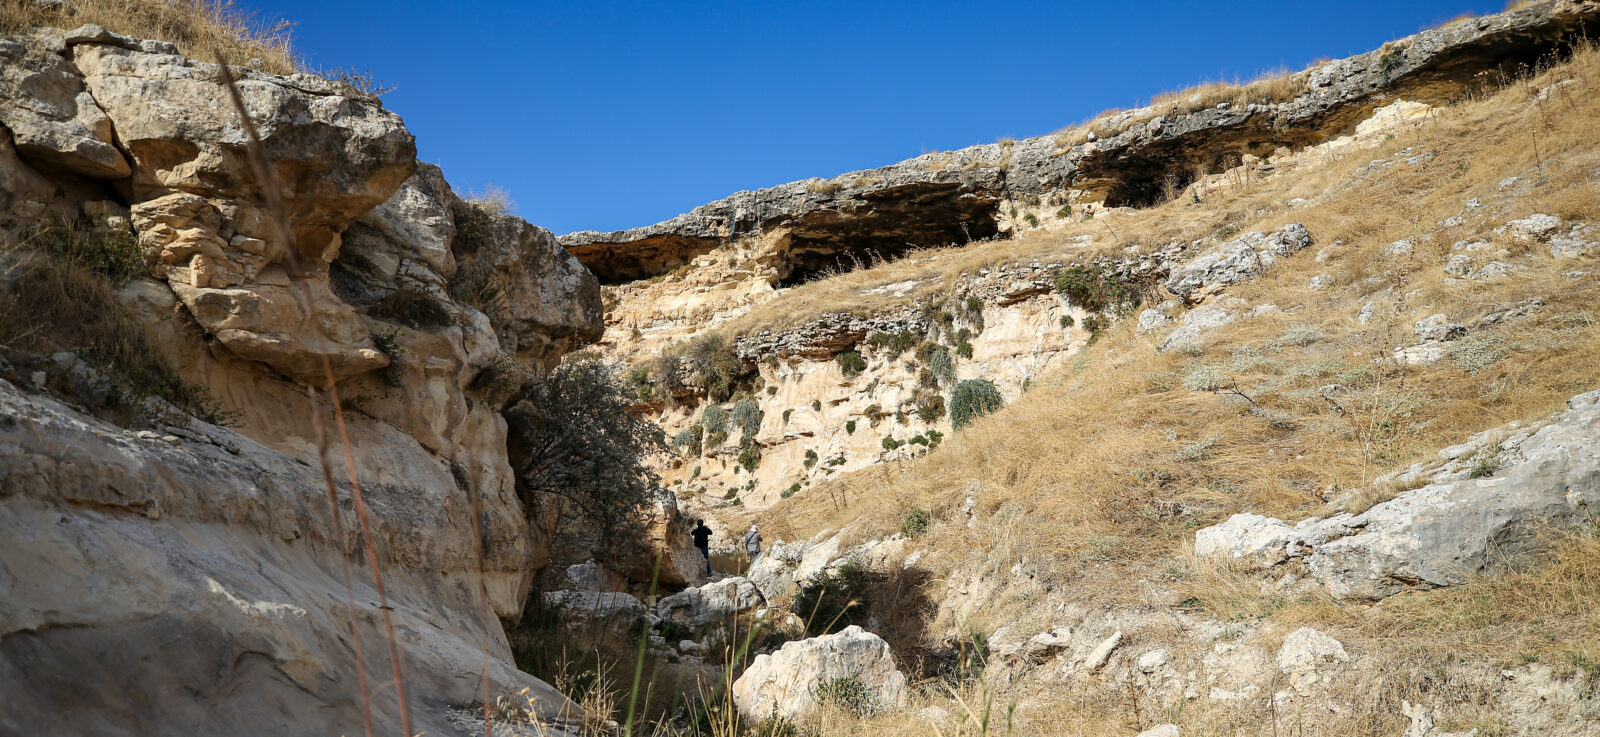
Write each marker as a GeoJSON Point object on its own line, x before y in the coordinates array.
{"type": "Point", "coordinates": [956, 196]}
{"type": "Point", "coordinates": [120, 542]}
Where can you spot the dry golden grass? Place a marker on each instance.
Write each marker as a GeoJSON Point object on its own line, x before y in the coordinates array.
{"type": "Point", "coordinates": [202, 29]}
{"type": "Point", "coordinates": [1114, 459]}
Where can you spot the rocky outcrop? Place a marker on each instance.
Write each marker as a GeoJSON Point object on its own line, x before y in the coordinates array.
{"type": "Point", "coordinates": [431, 314]}
{"type": "Point", "coordinates": [1238, 260]}
{"type": "Point", "coordinates": [956, 196]}
{"type": "Point", "coordinates": [800, 677]}
{"type": "Point", "coordinates": [1483, 506]}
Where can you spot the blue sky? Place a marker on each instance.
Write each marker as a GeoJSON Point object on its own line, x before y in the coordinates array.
{"type": "Point", "coordinates": [609, 115]}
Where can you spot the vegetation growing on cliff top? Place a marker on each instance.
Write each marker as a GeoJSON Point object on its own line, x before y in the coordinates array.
{"type": "Point", "coordinates": [202, 29]}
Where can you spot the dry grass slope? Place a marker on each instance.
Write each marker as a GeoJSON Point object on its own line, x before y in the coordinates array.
{"type": "Point", "coordinates": [1099, 476]}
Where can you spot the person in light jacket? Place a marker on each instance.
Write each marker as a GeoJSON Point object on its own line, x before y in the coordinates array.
{"type": "Point", "coordinates": [752, 542]}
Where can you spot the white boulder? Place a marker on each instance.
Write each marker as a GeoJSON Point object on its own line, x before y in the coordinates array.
{"type": "Point", "coordinates": [788, 683]}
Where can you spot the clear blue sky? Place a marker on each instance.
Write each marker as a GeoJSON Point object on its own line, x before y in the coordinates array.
{"type": "Point", "coordinates": [608, 115]}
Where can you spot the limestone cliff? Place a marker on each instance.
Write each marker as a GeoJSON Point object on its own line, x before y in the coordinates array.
{"type": "Point", "coordinates": [199, 571]}
{"type": "Point", "coordinates": [1126, 159]}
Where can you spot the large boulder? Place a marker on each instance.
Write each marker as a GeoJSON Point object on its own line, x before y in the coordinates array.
{"type": "Point", "coordinates": [792, 682]}
{"type": "Point", "coordinates": [591, 613]}
{"type": "Point", "coordinates": [1468, 519]}
{"type": "Point", "coordinates": [711, 604]}
{"type": "Point", "coordinates": [53, 118]}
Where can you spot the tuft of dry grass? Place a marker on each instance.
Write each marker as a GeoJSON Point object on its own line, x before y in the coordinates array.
{"type": "Point", "coordinates": [202, 29]}
{"type": "Point", "coordinates": [494, 200]}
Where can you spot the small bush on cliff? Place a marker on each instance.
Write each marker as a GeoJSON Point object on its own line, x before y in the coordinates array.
{"type": "Point", "coordinates": [414, 307]}
{"type": "Point", "coordinates": [747, 417]}
{"type": "Point", "coordinates": [1096, 288]}
{"type": "Point", "coordinates": [715, 420]}
{"type": "Point", "coordinates": [850, 363]}
{"type": "Point", "coordinates": [749, 457]}
{"type": "Point", "coordinates": [572, 436]}
{"type": "Point", "coordinates": [972, 399]}
{"type": "Point", "coordinates": [687, 440]}
{"type": "Point", "coordinates": [716, 365]}
{"type": "Point", "coordinates": [914, 523]}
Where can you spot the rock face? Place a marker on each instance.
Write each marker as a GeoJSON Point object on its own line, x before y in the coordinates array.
{"type": "Point", "coordinates": [431, 313]}
{"type": "Point", "coordinates": [1464, 522]}
{"type": "Point", "coordinates": [952, 197]}
{"type": "Point", "coordinates": [121, 544]}
{"type": "Point", "coordinates": [792, 682]}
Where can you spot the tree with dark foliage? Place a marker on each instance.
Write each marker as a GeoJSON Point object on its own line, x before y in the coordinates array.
{"type": "Point", "coordinates": [571, 435]}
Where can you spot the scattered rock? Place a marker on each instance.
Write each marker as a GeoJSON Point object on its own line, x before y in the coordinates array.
{"type": "Point", "coordinates": [1438, 328]}
{"type": "Point", "coordinates": [1102, 652]}
{"type": "Point", "coordinates": [1153, 660]}
{"type": "Point", "coordinates": [1162, 730]}
{"type": "Point", "coordinates": [1303, 652]}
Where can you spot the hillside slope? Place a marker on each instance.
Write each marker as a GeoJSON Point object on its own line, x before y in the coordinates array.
{"type": "Point", "coordinates": [1366, 324]}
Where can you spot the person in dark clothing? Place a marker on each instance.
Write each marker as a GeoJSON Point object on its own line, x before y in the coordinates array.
{"type": "Point", "coordinates": [702, 540]}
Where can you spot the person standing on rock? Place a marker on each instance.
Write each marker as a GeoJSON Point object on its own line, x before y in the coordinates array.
{"type": "Point", "coordinates": [702, 540]}
{"type": "Point", "coordinates": [752, 542]}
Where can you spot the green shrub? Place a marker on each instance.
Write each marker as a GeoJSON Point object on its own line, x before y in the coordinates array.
{"type": "Point", "coordinates": [850, 427]}
{"type": "Point", "coordinates": [829, 602]}
{"type": "Point", "coordinates": [934, 438]}
{"type": "Point", "coordinates": [892, 344]}
{"type": "Point", "coordinates": [850, 363]}
{"type": "Point", "coordinates": [974, 304]}
{"type": "Point", "coordinates": [964, 349]}
{"type": "Point", "coordinates": [816, 405]}
{"type": "Point", "coordinates": [874, 414]}
{"type": "Point", "coordinates": [715, 362]}
{"type": "Point", "coordinates": [811, 458]}
{"type": "Point", "coordinates": [972, 399]}
{"type": "Point", "coordinates": [1095, 323]}
{"type": "Point", "coordinates": [786, 414]}
{"type": "Point", "coordinates": [793, 489]}
{"type": "Point", "coordinates": [1096, 288]}
{"type": "Point", "coordinates": [750, 456]}
{"type": "Point", "coordinates": [1067, 322]}
{"type": "Point", "coordinates": [688, 440]}
{"type": "Point", "coordinates": [942, 366]}
{"type": "Point", "coordinates": [914, 523]}
{"type": "Point", "coordinates": [747, 417]}
{"type": "Point", "coordinates": [849, 694]}
{"type": "Point", "coordinates": [579, 442]}
{"type": "Point", "coordinates": [889, 443]}
{"type": "Point", "coordinates": [930, 407]}
{"type": "Point", "coordinates": [715, 421]}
